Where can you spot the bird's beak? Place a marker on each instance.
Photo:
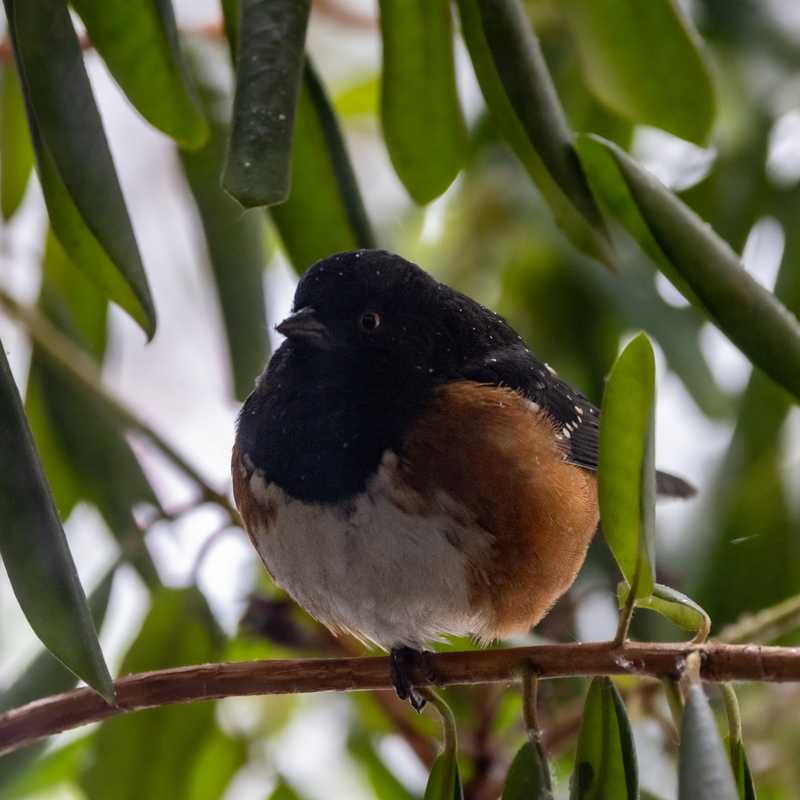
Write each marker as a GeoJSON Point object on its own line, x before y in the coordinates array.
{"type": "Point", "coordinates": [305, 325]}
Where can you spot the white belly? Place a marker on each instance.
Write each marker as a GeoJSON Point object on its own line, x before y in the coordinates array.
{"type": "Point", "coordinates": [383, 571]}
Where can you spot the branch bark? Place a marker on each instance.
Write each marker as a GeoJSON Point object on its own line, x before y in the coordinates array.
{"type": "Point", "coordinates": [719, 662]}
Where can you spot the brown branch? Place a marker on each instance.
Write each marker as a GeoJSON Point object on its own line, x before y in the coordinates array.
{"type": "Point", "coordinates": [719, 662]}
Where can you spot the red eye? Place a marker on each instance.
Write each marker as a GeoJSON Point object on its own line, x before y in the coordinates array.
{"type": "Point", "coordinates": [369, 322]}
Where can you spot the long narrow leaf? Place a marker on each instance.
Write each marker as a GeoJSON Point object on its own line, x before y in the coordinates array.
{"type": "Point", "coordinates": [703, 766]}
{"type": "Point", "coordinates": [588, 236]}
{"type": "Point", "coordinates": [444, 782]}
{"type": "Point", "coordinates": [698, 262]}
{"type": "Point", "coordinates": [324, 213]}
{"type": "Point", "coordinates": [605, 762]}
{"type": "Point", "coordinates": [269, 70]}
{"type": "Point", "coordinates": [83, 196]}
{"type": "Point", "coordinates": [422, 120]}
{"type": "Point", "coordinates": [644, 61]}
{"type": "Point", "coordinates": [626, 480]}
{"type": "Point", "coordinates": [35, 551]}
{"type": "Point", "coordinates": [139, 43]}
{"type": "Point", "coordinates": [16, 151]}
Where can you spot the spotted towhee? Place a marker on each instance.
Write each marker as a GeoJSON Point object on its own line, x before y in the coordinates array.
{"type": "Point", "coordinates": [407, 468]}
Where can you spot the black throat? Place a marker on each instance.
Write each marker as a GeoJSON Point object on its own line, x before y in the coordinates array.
{"type": "Point", "coordinates": [318, 427]}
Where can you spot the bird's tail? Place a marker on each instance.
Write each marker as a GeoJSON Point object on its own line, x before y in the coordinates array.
{"type": "Point", "coordinates": [672, 486]}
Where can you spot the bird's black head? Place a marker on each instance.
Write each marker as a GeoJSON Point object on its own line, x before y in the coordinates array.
{"type": "Point", "coordinates": [375, 312]}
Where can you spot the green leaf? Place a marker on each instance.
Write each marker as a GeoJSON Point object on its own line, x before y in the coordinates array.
{"type": "Point", "coordinates": [58, 767]}
{"type": "Point", "coordinates": [382, 780]}
{"type": "Point", "coordinates": [697, 261]}
{"type": "Point", "coordinates": [587, 234]}
{"type": "Point", "coordinates": [444, 782]}
{"type": "Point", "coordinates": [644, 61]}
{"type": "Point", "coordinates": [269, 69]}
{"type": "Point", "coordinates": [284, 792]}
{"type": "Point", "coordinates": [219, 758]}
{"type": "Point", "coordinates": [16, 151]}
{"type": "Point", "coordinates": [626, 476]}
{"type": "Point", "coordinates": [35, 551]}
{"type": "Point", "coordinates": [236, 251]}
{"type": "Point", "coordinates": [741, 771]}
{"type": "Point", "coordinates": [423, 125]}
{"type": "Point", "coordinates": [605, 762]}
{"type": "Point", "coordinates": [703, 766]}
{"type": "Point", "coordinates": [529, 775]}
{"type": "Point", "coordinates": [154, 753]}
{"type": "Point", "coordinates": [672, 604]}
{"type": "Point", "coordinates": [43, 676]}
{"type": "Point", "coordinates": [324, 213]}
{"type": "Point", "coordinates": [139, 43]}
{"type": "Point", "coordinates": [83, 197]}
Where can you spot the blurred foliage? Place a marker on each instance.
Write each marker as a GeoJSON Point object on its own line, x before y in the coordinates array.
{"type": "Point", "coordinates": [535, 223]}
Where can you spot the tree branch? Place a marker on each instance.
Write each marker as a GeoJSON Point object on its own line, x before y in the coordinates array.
{"type": "Point", "coordinates": [719, 662]}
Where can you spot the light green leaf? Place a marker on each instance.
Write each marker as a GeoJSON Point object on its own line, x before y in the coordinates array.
{"type": "Point", "coordinates": [139, 43]}
{"type": "Point", "coordinates": [645, 61]}
{"type": "Point", "coordinates": [16, 151]}
{"type": "Point", "coordinates": [444, 782]}
{"type": "Point", "coordinates": [543, 122]}
{"type": "Point", "coordinates": [236, 251]}
{"type": "Point", "coordinates": [153, 754]}
{"type": "Point", "coordinates": [83, 197]}
{"type": "Point", "coordinates": [269, 70]}
{"type": "Point", "coordinates": [35, 551]}
{"type": "Point", "coordinates": [703, 766]}
{"type": "Point", "coordinates": [674, 606]}
{"type": "Point", "coordinates": [700, 264]}
{"type": "Point", "coordinates": [61, 766]}
{"type": "Point", "coordinates": [218, 759]}
{"type": "Point", "coordinates": [626, 477]}
{"type": "Point", "coordinates": [324, 213]}
{"type": "Point", "coordinates": [423, 125]}
{"type": "Point", "coordinates": [605, 762]}
{"type": "Point", "coordinates": [529, 775]}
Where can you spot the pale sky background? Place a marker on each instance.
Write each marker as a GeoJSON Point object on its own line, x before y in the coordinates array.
{"type": "Point", "coordinates": [177, 383]}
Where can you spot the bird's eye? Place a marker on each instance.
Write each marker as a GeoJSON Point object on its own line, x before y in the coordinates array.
{"type": "Point", "coordinates": [369, 321]}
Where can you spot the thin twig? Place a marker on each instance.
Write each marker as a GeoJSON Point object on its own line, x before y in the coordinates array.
{"type": "Point", "coordinates": [719, 662]}
{"type": "Point", "coordinates": [766, 624]}
{"type": "Point", "coordinates": [72, 360]}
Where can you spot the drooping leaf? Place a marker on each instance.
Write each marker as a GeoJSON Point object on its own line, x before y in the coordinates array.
{"type": "Point", "coordinates": [700, 264]}
{"type": "Point", "coordinates": [423, 124]}
{"type": "Point", "coordinates": [139, 43]}
{"type": "Point", "coordinates": [154, 753]}
{"type": "Point", "coordinates": [626, 478]}
{"type": "Point", "coordinates": [83, 197]}
{"type": "Point", "coordinates": [703, 766]}
{"type": "Point", "coordinates": [35, 551]}
{"type": "Point", "coordinates": [269, 70]}
{"type": "Point", "coordinates": [16, 151]}
{"type": "Point", "coordinates": [529, 775]}
{"type": "Point", "coordinates": [588, 235]}
{"type": "Point", "coordinates": [605, 762]}
{"type": "Point", "coordinates": [645, 61]}
{"type": "Point", "coordinates": [672, 604]}
{"type": "Point", "coordinates": [324, 213]}
{"type": "Point", "coordinates": [444, 782]}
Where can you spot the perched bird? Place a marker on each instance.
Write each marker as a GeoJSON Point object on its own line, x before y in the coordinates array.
{"type": "Point", "coordinates": [408, 469]}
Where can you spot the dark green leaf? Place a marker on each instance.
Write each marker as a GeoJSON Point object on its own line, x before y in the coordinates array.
{"type": "Point", "coordinates": [444, 782]}
{"type": "Point", "coordinates": [529, 775]}
{"type": "Point", "coordinates": [741, 771]}
{"type": "Point", "coordinates": [626, 478]}
{"type": "Point", "coordinates": [269, 69]}
{"type": "Point", "coordinates": [84, 200]}
{"type": "Point", "coordinates": [691, 255]}
{"type": "Point", "coordinates": [605, 762]}
{"type": "Point", "coordinates": [703, 766]}
{"type": "Point", "coordinates": [230, 21]}
{"type": "Point", "coordinates": [588, 235]}
{"type": "Point", "coordinates": [35, 551]}
{"type": "Point", "coordinates": [284, 792]}
{"type": "Point", "coordinates": [16, 151]}
{"type": "Point", "coordinates": [423, 125]}
{"type": "Point", "coordinates": [324, 213]}
{"type": "Point", "coordinates": [154, 753]}
{"type": "Point", "coordinates": [236, 252]}
{"type": "Point", "coordinates": [139, 43]}
{"type": "Point", "coordinates": [643, 60]}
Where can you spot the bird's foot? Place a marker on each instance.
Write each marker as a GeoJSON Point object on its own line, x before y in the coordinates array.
{"type": "Point", "coordinates": [405, 660]}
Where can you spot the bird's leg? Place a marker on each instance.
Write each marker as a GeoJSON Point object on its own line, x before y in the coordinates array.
{"type": "Point", "coordinates": [403, 661]}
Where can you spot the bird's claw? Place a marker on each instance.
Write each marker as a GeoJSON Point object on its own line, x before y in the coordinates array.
{"type": "Point", "coordinates": [405, 660]}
